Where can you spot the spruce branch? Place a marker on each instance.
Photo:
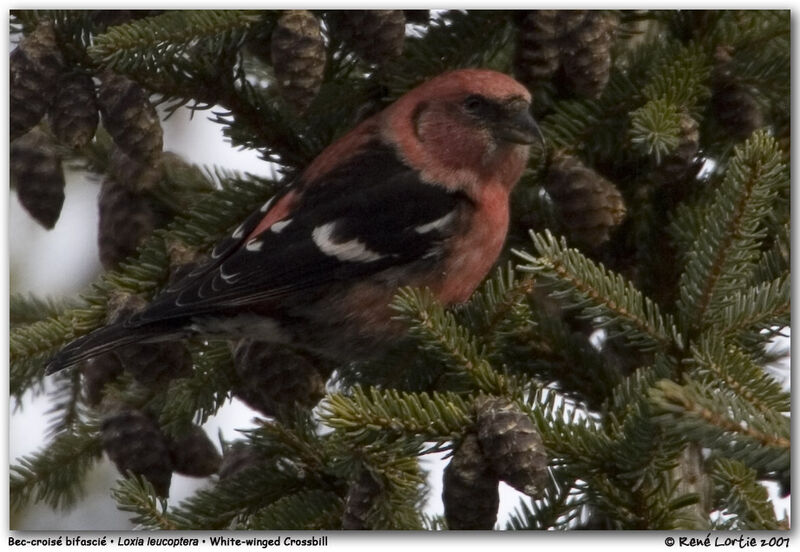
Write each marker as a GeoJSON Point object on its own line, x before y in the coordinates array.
{"type": "Point", "coordinates": [66, 408]}
{"type": "Point", "coordinates": [726, 247]}
{"type": "Point", "coordinates": [195, 399]}
{"type": "Point", "coordinates": [149, 44]}
{"type": "Point", "coordinates": [655, 128]}
{"type": "Point", "coordinates": [758, 307]}
{"type": "Point", "coordinates": [718, 361]}
{"type": "Point", "coordinates": [600, 293]}
{"type": "Point", "coordinates": [724, 422]}
{"type": "Point", "coordinates": [27, 309]}
{"type": "Point", "coordinates": [435, 417]}
{"type": "Point", "coordinates": [136, 495]}
{"type": "Point", "coordinates": [446, 340]}
{"type": "Point", "coordinates": [679, 77]}
{"type": "Point", "coordinates": [737, 487]}
{"type": "Point", "coordinates": [55, 474]}
{"type": "Point", "coordinates": [302, 511]}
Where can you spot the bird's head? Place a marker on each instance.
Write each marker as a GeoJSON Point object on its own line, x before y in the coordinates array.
{"type": "Point", "coordinates": [470, 123]}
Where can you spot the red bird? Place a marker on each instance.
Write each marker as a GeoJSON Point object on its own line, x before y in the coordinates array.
{"type": "Point", "coordinates": [417, 195]}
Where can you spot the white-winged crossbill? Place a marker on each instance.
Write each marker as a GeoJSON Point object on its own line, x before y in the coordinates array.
{"type": "Point", "coordinates": [417, 195]}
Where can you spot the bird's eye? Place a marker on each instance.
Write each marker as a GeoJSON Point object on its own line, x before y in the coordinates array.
{"type": "Point", "coordinates": [474, 103]}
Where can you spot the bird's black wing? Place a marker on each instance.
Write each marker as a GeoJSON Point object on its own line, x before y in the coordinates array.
{"type": "Point", "coordinates": [371, 213]}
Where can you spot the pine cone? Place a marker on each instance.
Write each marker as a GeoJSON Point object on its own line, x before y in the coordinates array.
{"type": "Point", "coordinates": [136, 174]}
{"type": "Point", "coordinates": [73, 114]}
{"type": "Point", "coordinates": [134, 442]}
{"type": "Point", "coordinates": [298, 56]}
{"type": "Point", "coordinates": [470, 493]}
{"type": "Point", "coordinates": [35, 66]}
{"type": "Point", "coordinates": [126, 219]}
{"type": "Point", "coordinates": [194, 454]}
{"type": "Point", "coordinates": [37, 175]}
{"type": "Point", "coordinates": [512, 445]}
{"type": "Point", "coordinates": [590, 206]}
{"type": "Point", "coordinates": [682, 161]}
{"type": "Point", "coordinates": [97, 372]}
{"type": "Point", "coordinates": [375, 35]}
{"type": "Point", "coordinates": [736, 109]}
{"type": "Point", "coordinates": [586, 58]}
{"type": "Point", "coordinates": [734, 104]}
{"type": "Point", "coordinates": [536, 57]}
{"type": "Point", "coordinates": [275, 377]}
{"type": "Point", "coordinates": [129, 117]}
{"type": "Point", "coordinates": [238, 458]}
{"type": "Point", "coordinates": [360, 498]}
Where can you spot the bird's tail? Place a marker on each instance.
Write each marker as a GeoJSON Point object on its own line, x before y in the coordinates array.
{"type": "Point", "coordinates": [102, 340]}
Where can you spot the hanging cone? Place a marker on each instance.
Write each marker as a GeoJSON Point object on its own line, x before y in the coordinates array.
{"type": "Point", "coordinates": [126, 219]}
{"type": "Point", "coordinates": [35, 66]}
{"type": "Point", "coordinates": [97, 372]}
{"type": "Point", "coordinates": [360, 498]}
{"type": "Point", "coordinates": [470, 492]}
{"type": "Point", "coordinates": [590, 206]}
{"type": "Point", "coordinates": [733, 103]}
{"type": "Point", "coordinates": [37, 175]}
{"type": "Point", "coordinates": [512, 445]}
{"type": "Point", "coordinates": [374, 35]}
{"type": "Point", "coordinates": [194, 454]}
{"type": "Point", "coordinates": [136, 174]}
{"type": "Point", "coordinates": [536, 56]}
{"type": "Point", "coordinates": [129, 117]}
{"type": "Point", "coordinates": [73, 114]}
{"type": "Point", "coordinates": [134, 442]}
{"type": "Point", "coordinates": [274, 377]}
{"type": "Point", "coordinates": [586, 58]}
{"type": "Point", "coordinates": [298, 57]}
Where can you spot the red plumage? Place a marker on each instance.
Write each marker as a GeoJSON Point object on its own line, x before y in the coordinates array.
{"type": "Point", "coordinates": [417, 195]}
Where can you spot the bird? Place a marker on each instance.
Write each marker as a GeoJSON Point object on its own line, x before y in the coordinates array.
{"type": "Point", "coordinates": [416, 195]}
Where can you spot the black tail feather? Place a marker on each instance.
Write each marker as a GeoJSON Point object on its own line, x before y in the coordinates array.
{"type": "Point", "coordinates": [101, 341]}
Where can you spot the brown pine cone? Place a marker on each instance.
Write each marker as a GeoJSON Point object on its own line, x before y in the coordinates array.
{"type": "Point", "coordinates": [129, 117]}
{"type": "Point", "coordinates": [35, 66]}
{"type": "Point", "coordinates": [97, 372]}
{"type": "Point", "coordinates": [134, 442]}
{"type": "Point", "coordinates": [273, 377]}
{"type": "Point", "coordinates": [586, 58]}
{"type": "Point", "coordinates": [590, 206]}
{"type": "Point", "coordinates": [736, 109]}
{"type": "Point", "coordinates": [512, 445]}
{"type": "Point", "coordinates": [733, 103]}
{"type": "Point", "coordinates": [238, 458]}
{"type": "Point", "coordinates": [375, 35]}
{"type": "Point", "coordinates": [298, 57]}
{"type": "Point", "coordinates": [37, 175]}
{"type": "Point", "coordinates": [73, 114]}
{"type": "Point", "coordinates": [470, 494]}
{"type": "Point", "coordinates": [136, 174]}
{"type": "Point", "coordinates": [360, 498]}
{"type": "Point", "coordinates": [537, 53]}
{"type": "Point", "coordinates": [194, 454]}
{"type": "Point", "coordinates": [126, 219]}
